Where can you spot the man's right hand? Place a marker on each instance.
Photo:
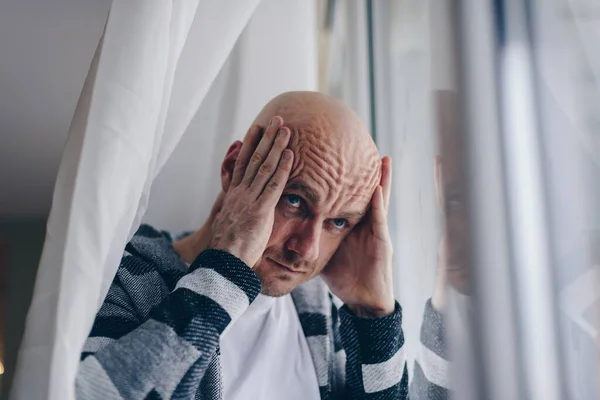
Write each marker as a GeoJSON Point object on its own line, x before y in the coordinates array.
{"type": "Point", "coordinates": [245, 222]}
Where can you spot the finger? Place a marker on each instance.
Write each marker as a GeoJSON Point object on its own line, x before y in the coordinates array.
{"type": "Point", "coordinates": [439, 182]}
{"type": "Point", "coordinates": [386, 181]}
{"type": "Point", "coordinates": [262, 150]}
{"type": "Point", "coordinates": [274, 187]}
{"type": "Point", "coordinates": [269, 166]}
{"type": "Point", "coordinates": [250, 142]}
{"type": "Point", "coordinates": [218, 205]}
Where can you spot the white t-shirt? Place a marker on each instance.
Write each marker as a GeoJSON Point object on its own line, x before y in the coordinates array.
{"type": "Point", "coordinates": [264, 354]}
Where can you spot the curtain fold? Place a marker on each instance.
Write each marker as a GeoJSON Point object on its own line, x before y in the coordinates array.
{"type": "Point", "coordinates": [153, 66]}
{"type": "Point", "coordinates": [260, 66]}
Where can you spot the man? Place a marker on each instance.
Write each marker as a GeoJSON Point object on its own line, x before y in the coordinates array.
{"type": "Point", "coordinates": [239, 309]}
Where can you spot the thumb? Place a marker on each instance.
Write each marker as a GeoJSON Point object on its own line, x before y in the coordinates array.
{"type": "Point", "coordinates": [218, 205]}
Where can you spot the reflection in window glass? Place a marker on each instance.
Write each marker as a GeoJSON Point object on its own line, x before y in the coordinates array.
{"type": "Point", "coordinates": [463, 296]}
{"type": "Point", "coordinates": [567, 35]}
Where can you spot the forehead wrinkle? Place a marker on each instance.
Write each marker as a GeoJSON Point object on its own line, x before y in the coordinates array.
{"type": "Point", "coordinates": [341, 179]}
{"type": "Point", "coordinates": [326, 169]}
{"type": "Point", "coordinates": [372, 175]}
{"type": "Point", "coordinates": [308, 138]}
{"type": "Point", "coordinates": [350, 188]}
{"type": "Point", "coordinates": [319, 157]}
{"type": "Point", "coordinates": [326, 186]}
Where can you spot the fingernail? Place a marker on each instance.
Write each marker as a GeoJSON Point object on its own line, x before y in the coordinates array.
{"type": "Point", "coordinates": [287, 154]}
{"type": "Point", "coordinates": [275, 121]}
{"type": "Point", "coordinates": [282, 133]}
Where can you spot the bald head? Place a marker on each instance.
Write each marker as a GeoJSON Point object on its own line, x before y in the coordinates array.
{"type": "Point", "coordinates": [319, 115]}
{"type": "Point", "coordinates": [313, 109]}
{"type": "Point", "coordinates": [330, 142]}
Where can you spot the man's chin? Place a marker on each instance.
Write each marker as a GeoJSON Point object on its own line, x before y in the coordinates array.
{"type": "Point", "coordinates": [275, 283]}
{"type": "Point", "coordinates": [273, 293]}
{"type": "Point", "coordinates": [275, 289]}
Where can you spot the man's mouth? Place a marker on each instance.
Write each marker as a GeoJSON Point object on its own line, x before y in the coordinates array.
{"type": "Point", "coordinates": [284, 267]}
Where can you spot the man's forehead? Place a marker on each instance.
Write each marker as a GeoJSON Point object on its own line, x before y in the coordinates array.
{"type": "Point", "coordinates": [344, 203]}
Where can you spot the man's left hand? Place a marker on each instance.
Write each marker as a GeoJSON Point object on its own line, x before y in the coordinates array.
{"type": "Point", "coordinates": [360, 272]}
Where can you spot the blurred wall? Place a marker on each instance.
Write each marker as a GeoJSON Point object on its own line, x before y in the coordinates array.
{"type": "Point", "coordinates": [22, 238]}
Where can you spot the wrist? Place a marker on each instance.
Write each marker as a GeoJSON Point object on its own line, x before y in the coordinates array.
{"type": "Point", "coordinates": [438, 300]}
{"type": "Point", "coordinates": [376, 311]}
{"type": "Point", "coordinates": [190, 247]}
{"type": "Point", "coordinates": [229, 248]}
{"type": "Point", "coordinates": [234, 248]}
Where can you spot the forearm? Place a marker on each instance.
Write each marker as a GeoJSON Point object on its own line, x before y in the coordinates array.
{"type": "Point", "coordinates": [181, 334]}
{"type": "Point", "coordinates": [376, 362]}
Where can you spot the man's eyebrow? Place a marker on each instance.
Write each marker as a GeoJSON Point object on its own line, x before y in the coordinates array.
{"type": "Point", "coordinates": [306, 190]}
{"type": "Point", "coordinates": [352, 215]}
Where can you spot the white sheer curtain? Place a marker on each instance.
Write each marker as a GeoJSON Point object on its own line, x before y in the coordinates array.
{"type": "Point", "coordinates": [260, 66]}
{"type": "Point", "coordinates": [152, 70]}
{"type": "Point", "coordinates": [567, 33]}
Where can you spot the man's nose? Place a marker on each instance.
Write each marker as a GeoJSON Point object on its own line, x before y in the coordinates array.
{"type": "Point", "coordinates": [305, 241]}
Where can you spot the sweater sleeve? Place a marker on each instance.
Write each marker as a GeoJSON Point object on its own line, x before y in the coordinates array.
{"type": "Point", "coordinates": [147, 341]}
{"type": "Point", "coordinates": [375, 356]}
{"type": "Point", "coordinates": [430, 379]}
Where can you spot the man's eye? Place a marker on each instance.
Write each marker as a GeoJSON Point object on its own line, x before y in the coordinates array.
{"type": "Point", "coordinates": [454, 203]}
{"type": "Point", "coordinates": [293, 200]}
{"type": "Point", "coordinates": [339, 223]}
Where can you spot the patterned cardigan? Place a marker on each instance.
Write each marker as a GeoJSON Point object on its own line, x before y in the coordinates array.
{"type": "Point", "coordinates": [157, 333]}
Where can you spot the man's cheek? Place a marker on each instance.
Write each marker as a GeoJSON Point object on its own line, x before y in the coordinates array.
{"type": "Point", "coordinates": [281, 229]}
{"type": "Point", "coordinates": [328, 249]}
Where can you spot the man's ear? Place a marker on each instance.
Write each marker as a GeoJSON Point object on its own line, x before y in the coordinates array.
{"type": "Point", "coordinates": [229, 164]}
